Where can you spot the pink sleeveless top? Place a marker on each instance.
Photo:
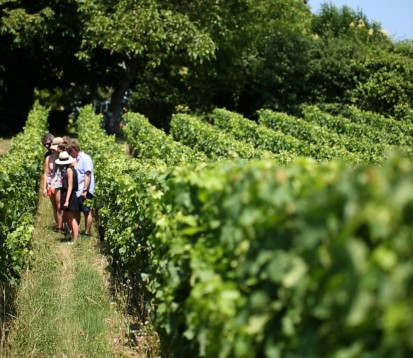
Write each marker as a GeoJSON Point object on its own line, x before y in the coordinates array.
{"type": "Point", "coordinates": [52, 159]}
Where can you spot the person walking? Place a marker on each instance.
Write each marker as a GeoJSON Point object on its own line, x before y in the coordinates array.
{"type": "Point", "coordinates": [47, 140]}
{"type": "Point", "coordinates": [48, 188]}
{"type": "Point", "coordinates": [57, 183]}
{"type": "Point", "coordinates": [86, 183]}
{"type": "Point", "coordinates": [68, 199]}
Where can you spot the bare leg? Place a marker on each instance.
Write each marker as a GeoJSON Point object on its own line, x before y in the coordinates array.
{"type": "Point", "coordinates": [54, 205]}
{"type": "Point", "coordinates": [71, 219]}
{"type": "Point", "coordinates": [88, 222]}
{"type": "Point", "coordinates": [77, 217]}
{"type": "Point", "coordinates": [59, 213]}
{"type": "Point", "coordinates": [66, 225]}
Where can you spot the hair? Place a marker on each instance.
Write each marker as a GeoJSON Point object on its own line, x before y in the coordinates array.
{"type": "Point", "coordinates": [48, 137]}
{"type": "Point", "coordinates": [63, 146]}
{"type": "Point", "coordinates": [74, 146]}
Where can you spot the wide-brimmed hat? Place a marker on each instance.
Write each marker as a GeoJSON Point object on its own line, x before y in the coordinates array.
{"type": "Point", "coordinates": [56, 142]}
{"type": "Point", "coordinates": [64, 158]}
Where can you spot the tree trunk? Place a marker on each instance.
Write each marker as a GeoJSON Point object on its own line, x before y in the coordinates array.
{"type": "Point", "coordinates": [114, 114]}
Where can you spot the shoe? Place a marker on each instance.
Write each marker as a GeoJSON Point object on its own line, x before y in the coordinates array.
{"type": "Point", "coordinates": [86, 234]}
{"type": "Point", "coordinates": [59, 230]}
{"type": "Point", "coordinates": [70, 242]}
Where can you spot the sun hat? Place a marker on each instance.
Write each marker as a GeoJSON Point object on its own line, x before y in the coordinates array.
{"type": "Point", "coordinates": [64, 158]}
{"type": "Point", "coordinates": [56, 142]}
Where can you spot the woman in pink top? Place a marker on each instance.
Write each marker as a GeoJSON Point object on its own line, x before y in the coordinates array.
{"type": "Point", "coordinates": [48, 189]}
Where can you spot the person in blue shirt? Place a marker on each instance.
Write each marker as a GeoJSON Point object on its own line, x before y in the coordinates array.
{"type": "Point", "coordinates": [86, 183]}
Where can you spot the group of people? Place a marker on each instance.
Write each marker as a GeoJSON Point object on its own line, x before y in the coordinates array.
{"type": "Point", "coordinates": [68, 180]}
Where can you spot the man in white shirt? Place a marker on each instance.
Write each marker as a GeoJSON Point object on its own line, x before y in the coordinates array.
{"type": "Point", "coordinates": [86, 183]}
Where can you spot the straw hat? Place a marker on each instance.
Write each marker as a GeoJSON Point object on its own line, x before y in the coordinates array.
{"type": "Point", "coordinates": [56, 142]}
{"type": "Point", "coordinates": [64, 158]}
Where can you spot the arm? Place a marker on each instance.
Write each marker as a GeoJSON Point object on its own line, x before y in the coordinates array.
{"type": "Point", "coordinates": [69, 174]}
{"type": "Point", "coordinates": [45, 172]}
{"type": "Point", "coordinates": [86, 184]}
{"type": "Point", "coordinates": [54, 178]}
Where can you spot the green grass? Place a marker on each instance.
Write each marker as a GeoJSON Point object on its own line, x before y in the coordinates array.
{"type": "Point", "coordinates": [64, 305]}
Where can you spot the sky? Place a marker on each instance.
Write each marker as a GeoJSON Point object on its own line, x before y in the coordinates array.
{"type": "Point", "coordinates": [395, 16]}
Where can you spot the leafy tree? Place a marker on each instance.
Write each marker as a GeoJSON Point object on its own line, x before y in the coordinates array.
{"type": "Point", "coordinates": [42, 39]}
{"type": "Point", "coordinates": [385, 83]}
{"type": "Point", "coordinates": [185, 85]}
{"type": "Point", "coordinates": [343, 40]}
{"type": "Point", "coordinates": [140, 35]}
{"type": "Point", "coordinates": [195, 55]}
{"type": "Point", "coordinates": [354, 61]}
{"type": "Point", "coordinates": [120, 44]}
{"type": "Point", "coordinates": [278, 56]}
{"type": "Point", "coordinates": [260, 60]}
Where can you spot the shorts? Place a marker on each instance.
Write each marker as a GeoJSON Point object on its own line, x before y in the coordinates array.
{"type": "Point", "coordinates": [73, 204]}
{"type": "Point", "coordinates": [82, 207]}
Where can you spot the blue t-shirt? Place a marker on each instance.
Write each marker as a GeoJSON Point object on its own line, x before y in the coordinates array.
{"type": "Point", "coordinates": [84, 165]}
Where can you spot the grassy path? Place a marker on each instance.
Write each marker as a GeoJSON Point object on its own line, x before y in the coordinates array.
{"type": "Point", "coordinates": [64, 305]}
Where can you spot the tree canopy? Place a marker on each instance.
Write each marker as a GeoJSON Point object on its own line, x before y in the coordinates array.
{"type": "Point", "coordinates": [182, 55]}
